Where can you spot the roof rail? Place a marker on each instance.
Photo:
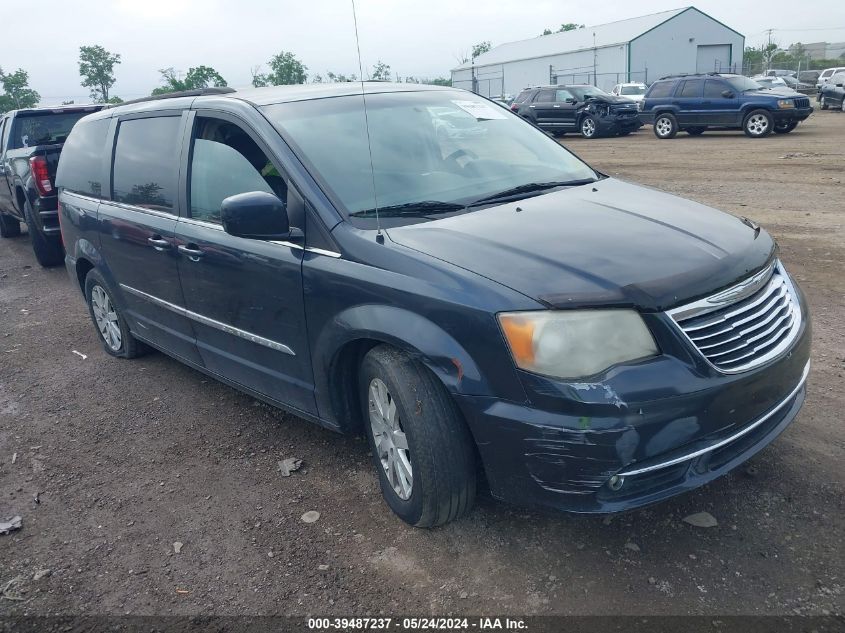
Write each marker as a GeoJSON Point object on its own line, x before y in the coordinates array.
{"type": "Point", "coordinates": [713, 74]}
{"type": "Point", "coordinates": [199, 92]}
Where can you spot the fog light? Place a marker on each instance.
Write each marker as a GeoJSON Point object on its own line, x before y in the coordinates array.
{"type": "Point", "coordinates": [616, 482]}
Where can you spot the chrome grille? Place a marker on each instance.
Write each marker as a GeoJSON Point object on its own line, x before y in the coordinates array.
{"type": "Point", "coordinates": [745, 325]}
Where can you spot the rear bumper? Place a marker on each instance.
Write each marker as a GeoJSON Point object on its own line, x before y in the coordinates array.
{"type": "Point", "coordinates": [691, 431]}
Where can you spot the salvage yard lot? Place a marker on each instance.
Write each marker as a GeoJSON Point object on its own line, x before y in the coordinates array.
{"type": "Point", "coordinates": [128, 457]}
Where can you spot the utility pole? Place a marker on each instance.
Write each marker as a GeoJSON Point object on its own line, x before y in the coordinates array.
{"type": "Point", "coordinates": [595, 55]}
{"type": "Point", "coordinates": [768, 55]}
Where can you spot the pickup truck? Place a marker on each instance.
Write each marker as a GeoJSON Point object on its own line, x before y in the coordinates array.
{"type": "Point", "coordinates": [31, 141]}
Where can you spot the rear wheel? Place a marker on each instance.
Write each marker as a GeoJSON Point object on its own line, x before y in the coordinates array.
{"type": "Point", "coordinates": [589, 129]}
{"type": "Point", "coordinates": [9, 226]}
{"type": "Point", "coordinates": [785, 127]}
{"type": "Point", "coordinates": [112, 329]}
{"type": "Point", "coordinates": [48, 248]}
{"type": "Point", "coordinates": [665, 126]}
{"type": "Point", "coordinates": [822, 103]}
{"type": "Point", "coordinates": [421, 447]}
{"type": "Point", "coordinates": [696, 131]}
{"type": "Point", "coordinates": [757, 124]}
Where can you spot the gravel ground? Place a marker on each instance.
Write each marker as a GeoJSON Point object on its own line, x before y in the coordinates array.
{"type": "Point", "coordinates": [128, 457]}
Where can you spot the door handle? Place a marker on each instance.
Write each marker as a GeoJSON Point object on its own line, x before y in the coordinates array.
{"type": "Point", "coordinates": [158, 243]}
{"type": "Point", "coordinates": [192, 251]}
{"type": "Point", "coordinates": [555, 106]}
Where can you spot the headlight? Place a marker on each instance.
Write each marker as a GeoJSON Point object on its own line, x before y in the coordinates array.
{"type": "Point", "coordinates": [575, 343]}
{"type": "Point", "coordinates": [786, 103]}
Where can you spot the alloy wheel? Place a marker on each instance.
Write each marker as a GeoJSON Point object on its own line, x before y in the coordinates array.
{"type": "Point", "coordinates": [588, 128]}
{"type": "Point", "coordinates": [106, 317]}
{"type": "Point", "coordinates": [390, 440]}
{"type": "Point", "coordinates": [664, 126]}
{"type": "Point", "coordinates": [757, 124]}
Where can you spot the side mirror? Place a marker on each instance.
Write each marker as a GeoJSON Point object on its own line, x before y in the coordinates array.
{"type": "Point", "coordinates": [256, 215]}
{"type": "Point", "coordinates": [727, 94]}
{"type": "Point", "coordinates": [571, 100]}
{"type": "Point", "coordinates": [838, 85]}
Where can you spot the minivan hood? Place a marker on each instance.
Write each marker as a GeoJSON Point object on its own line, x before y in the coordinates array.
{"type": "Point", "coordinates": [610, 243]}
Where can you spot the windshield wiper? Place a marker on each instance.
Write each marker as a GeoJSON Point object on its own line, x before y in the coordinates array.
{"type": "Point", "coordinates": [530, 187]}
{"type": "Point", "coordinates": [411, 209]}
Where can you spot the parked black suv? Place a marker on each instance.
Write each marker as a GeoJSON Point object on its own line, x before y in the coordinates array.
{"type": "Point", "coordinates": [696, 103]}
{"type": "Point", "coordinates": [473, 302]}
{"type": "Point", "coordinates": [581, 108]}
{"type": "Point", "coordinates": [30, 143]}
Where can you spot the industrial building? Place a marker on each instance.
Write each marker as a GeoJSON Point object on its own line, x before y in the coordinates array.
{"type": "Point", "coordinates": [638, 49]}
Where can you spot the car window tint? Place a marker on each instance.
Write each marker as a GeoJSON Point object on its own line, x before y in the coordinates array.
{"type": "Point", "coordinates": [545, 96]}
{"type": "Point", "coordinates": [660, 89]}
{"type": "Point", "coordinates": [43, 129]}
{"type": "Point", "coordinates": [225, 162]}
{"type": "Point", "coordinates": [691, 88]}
{"type": "Point", "coordinates": [146, 163]}
{"type": "Point", "coordinates": [522, 96]}
{"type": "Point", "coordinates": [81, 167]}
{"type": "Point", "coordinates": [714, 89]}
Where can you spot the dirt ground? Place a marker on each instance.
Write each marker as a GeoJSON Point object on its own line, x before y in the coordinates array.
{"type": "Point", "coordinates": [128, 457]}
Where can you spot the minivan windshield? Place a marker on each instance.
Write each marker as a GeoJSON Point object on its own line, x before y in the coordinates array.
{"type": "Point", "coordinates": [433, 153]}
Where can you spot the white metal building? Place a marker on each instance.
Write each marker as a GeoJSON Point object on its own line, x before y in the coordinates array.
{"type": "Point", "coordinates": [638, 49]}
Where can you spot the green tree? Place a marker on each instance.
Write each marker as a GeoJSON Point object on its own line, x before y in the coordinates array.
{"type": "Point", "coordinates": [16, 91]}
{"type": "Point", "coordinates": [96, 67]}
{"type": "Point", "coordinates": [381, 71]}
{"type": "Point", "coordinates": [341, 78]}
{"type": "Point", "coordinates": [195, 78]}
{"type": "Point", "coordinates": [285, 69]}
{"type": "Point", "coordinates": [481, 48]}
{"type": "Point", "coordinates": [568, 26]}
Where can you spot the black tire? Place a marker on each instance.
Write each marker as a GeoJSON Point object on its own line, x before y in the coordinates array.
{"type": "Point", "coordinates": [665, 126]}
{"type": "Point", "coordinates": [822, 103]}
{"type": "Point", "coordinates": [129, 347]}
{"type": "Point", "coordinates": [48, 249]}
{"type": "Point", "coordinates": [9, 226]}
{"type": "Point", "coordinates": [440, 449]}
{"type": "Point", "coordinates": [757, 124]}
{"type": "Point", "coordinates": [695, 131]}
{"type": "Point", "coordinates": [785, 127]}
{"type": "Point", "coordinates": [589, 127]}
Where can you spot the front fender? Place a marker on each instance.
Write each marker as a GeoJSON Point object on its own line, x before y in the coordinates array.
{"type": "Point", "coordinates": [425, 340]}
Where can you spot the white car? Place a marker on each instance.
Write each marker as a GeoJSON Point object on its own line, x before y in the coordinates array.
{"type": "Point", "coordinates": [770, 81]}
{"type": "Point", "coordinates": [635, 91]}
{"type": "Point", "coordinates": [826, 74]}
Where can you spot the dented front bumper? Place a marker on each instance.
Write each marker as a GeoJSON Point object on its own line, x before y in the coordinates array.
{"type": "Point", "coordinates": [646, 432]}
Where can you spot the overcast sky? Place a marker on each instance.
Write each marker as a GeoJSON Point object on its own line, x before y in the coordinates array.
{"type": "Point", "coordinates": [421, 38]}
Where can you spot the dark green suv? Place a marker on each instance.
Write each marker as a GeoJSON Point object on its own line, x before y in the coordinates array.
{"type": "Point", "coordinates": [695, 103]}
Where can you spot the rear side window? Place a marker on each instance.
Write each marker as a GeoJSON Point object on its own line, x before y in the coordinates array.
{"type": "Point", "coordinates": [545, 96]}
{"type": "Point", "coordinates": [81, 167]}
{"type": "Point", "coordinates": [146, 163]}
{"type": "Point", "coordinates": [522, 96]}
{"type": "Point", "coordinates": [660, 89]}
{"type": "Point", "coordinates": [691, 88]}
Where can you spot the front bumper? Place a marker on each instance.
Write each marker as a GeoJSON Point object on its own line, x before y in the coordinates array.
{"type": "Point", "coordinates": [794, 114]}
{"type": "Point", "coordinates": [647, 432]}
{"type": "Point", "coordinates": [611, 124]}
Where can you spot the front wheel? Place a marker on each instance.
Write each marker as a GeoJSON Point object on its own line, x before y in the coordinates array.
{"type": "Point", "coordinates": [589, 129]}
{"type": "Point", "coordinates": [785, 127]}
{"type": "Point", "coordinates": [757, 124]}
{"type": "Point", "coordinates": [665, 126]}
{"type": "Point", "coordinates": [421, 447]}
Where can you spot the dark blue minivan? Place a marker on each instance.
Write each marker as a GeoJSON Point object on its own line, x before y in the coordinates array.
{"type": "Point", "coordinates": [423, 266]}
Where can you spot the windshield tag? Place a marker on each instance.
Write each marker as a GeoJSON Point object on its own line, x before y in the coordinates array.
{"type": "Point", "coordinates": [481, 111]}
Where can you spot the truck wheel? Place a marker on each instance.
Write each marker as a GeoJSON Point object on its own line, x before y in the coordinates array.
{"type": "Point", "coordinates": [421, 447]}
{"type": "Point", "coordinates": [665, 126]}
{"type": "Point", "coordinates": [48, 250]}
{"type": "Point", "coordinates": [757, 124]}
{"type": "Point", "coordinates": [112, 329]}
{"type": "Point", "coordinates": [696, 131]}
{"type": "Point", "coordinates": [9, 226]}
{"type": "Point", "coordinates": [785, 127]}
{"type": "Point", "coordinates": [589, 129]}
